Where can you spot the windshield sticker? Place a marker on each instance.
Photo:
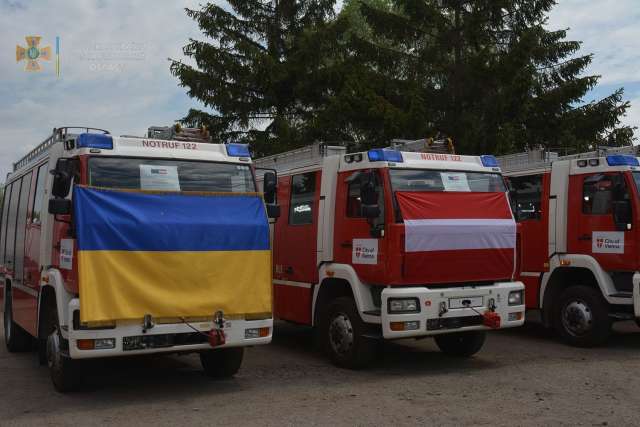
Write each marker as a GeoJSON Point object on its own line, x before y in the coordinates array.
{"type": "Point", "coordinates": [165, 178]}
{"type": "Point", "coordinates": [365, 251]}
{"type": "Point", "coordinates": [607, 242]}
{"type": "Point", "coordinates": [455, 181]}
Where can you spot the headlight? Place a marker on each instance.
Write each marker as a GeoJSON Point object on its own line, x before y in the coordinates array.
{"type": "Point", "coordinates": [516, 297]}
{"type": "Point", "coordinates": [403, 305]}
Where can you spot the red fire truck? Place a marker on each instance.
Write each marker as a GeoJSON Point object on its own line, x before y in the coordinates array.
{"type": "Point", "coordinates": [578, 217]}
{"type": "Point", "coordinates": [113, 246]}
{"type": "Point", "coordinates": [393, 244]}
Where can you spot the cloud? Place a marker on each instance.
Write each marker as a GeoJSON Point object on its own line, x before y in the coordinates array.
{"type": "Point", "coordinates": [114, 74]}
{"type": "Point", "coordinates": [609, 29]}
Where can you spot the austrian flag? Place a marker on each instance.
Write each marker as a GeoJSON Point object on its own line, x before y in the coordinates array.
{"type": "Point", "coordinates": [457, 236]}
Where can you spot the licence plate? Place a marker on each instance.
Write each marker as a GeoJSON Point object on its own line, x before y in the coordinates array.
{"type": "Point", "coordinates": [466, 302]}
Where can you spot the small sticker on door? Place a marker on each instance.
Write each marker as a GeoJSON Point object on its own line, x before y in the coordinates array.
{"type": "Point", "coordinates": [66, 254]}
{"type": "Point", "coordinates": [365, 251]}
{"type": "Point", "coordinates": [607, 242]}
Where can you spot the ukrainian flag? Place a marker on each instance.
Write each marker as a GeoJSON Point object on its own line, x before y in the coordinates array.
{"type": "Point", "coordinates": [171, 254]}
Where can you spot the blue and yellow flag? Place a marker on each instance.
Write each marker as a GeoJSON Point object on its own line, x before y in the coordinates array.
{"type": "Point", "coordinates": [171, 254]}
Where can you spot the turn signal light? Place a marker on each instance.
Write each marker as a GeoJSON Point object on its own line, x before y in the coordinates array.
{"type": "Point", "coordinates": [404, 326]}
{"type": "Point", "coordinates": [86, 344]}
{"type": "Point", "coordinates": [96, 344]}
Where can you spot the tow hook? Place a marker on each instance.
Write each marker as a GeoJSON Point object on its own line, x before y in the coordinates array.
{"type": "Point", "coordinates": [490, 318]}
{"type": "Point", "coordinates": [216, 334]}
{"type": "Point", "coordinates": [147, 323]}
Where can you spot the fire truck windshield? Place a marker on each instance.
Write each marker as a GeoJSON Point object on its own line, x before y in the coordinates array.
{"type": "Point", "coordinates": [445, 180]}
{"type": "Point", "coordinates": [169, 175]}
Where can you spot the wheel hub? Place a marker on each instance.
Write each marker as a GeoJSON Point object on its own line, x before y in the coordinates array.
{"type": "Point", "coordinates": [577, 318]}
{"type": "Point", "coordinates": [341, 334]}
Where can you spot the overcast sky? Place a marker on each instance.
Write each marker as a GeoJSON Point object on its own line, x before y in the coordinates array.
{"type": "Point", "coordinates": [115, 74]}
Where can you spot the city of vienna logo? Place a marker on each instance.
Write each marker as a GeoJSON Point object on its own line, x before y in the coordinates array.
{"type": "Point", "coordinates": [599, 242]}
{"type": "Point", "coordinates": [33, 53]}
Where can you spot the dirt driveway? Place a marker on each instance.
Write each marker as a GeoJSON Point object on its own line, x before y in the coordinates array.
{"type": "Point", "coordinates": [521, 377]}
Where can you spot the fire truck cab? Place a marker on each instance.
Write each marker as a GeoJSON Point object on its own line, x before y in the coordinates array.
{"type": "Point", "coordinates": [579, 223]}
{"type": "Point", "coordinates": [40, 250]}
{"type": "Point", "coordinates": [393, 244]}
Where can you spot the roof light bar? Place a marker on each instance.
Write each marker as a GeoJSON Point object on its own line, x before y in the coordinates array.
{"type": "Point", "coordinates": [238, 150]}
{"type": "Point", "coordinates": [622, 160]}
{"type": "Point", "coordinates": [94, 140]}
{"type": "Point", "coordinates": [385, 155]}
{"type": "Point", "coordinates": [489, 161]}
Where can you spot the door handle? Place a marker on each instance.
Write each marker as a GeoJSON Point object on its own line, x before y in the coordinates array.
{"type": "Point", "coordinates": [346, 244]}
{"type": "Point", "coordinates": [584, 237]}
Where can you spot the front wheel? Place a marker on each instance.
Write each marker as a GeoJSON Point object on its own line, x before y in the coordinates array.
{"type": "Point", "coordinates": [581, 317]}
{"type": "Point", "coordinates": [222, 363]}
{"type": "Point", "coordinates": [342, 334]}
{"type": "Point", "coordinates": [461, 344]}
{"type": "Point", "coordinates": [65, 373]}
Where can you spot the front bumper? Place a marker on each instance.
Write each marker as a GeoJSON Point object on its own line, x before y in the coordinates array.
{"type": "Point", "coordinates": [234, 331]}
{"type": "Point", "coordinates": [432, 322]}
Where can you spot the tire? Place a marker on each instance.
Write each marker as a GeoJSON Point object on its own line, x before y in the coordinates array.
{"type": "Point", "coordinates": [222, 363]}
{"type": "Point", "coordinates": [581, 317]}
{"type": "Point", "coordinates": [461, 344]}
{"type": "Point", "coordinates": [342, 335]}
{"type": "Point", "coordinates": [65, 372]}
{"type": "Point", "coordinates": [16, 338]}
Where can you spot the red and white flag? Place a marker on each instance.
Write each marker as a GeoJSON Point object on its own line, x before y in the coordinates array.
{"type": "Point", "coordinates": [457, 236]}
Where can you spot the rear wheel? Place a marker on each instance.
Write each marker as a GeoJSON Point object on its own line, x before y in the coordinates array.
{"type": "Point", "coordinates": [16, 338]}
{"type": "Point", "coordinates": [222, 363]}
{"type": "Point", "coordinates": [582, 317]}
{"type": "Point", "coordinates": [461, 344]}
{"type": "Point", "coordinates": [65, 372]}
{"type": "Point", "coordinates": [342, 334]}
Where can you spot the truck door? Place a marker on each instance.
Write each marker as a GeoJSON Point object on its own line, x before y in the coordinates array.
{"type": "Point", "coordinates": [295, 246]}
{"type": "Point", "coordinates": [34, 224]}
{"type": "Point", "coordinates": [591, 228]}
{"type": "Point", "coordinates": [529, 196]}
{"type": "Point", "coordinates": [354, 242]}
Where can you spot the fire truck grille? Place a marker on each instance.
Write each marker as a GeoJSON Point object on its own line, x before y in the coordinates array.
{"type": "Point", "coordinates": [453, 322]}
{"type": "Point", "coordinates": [143, 342]}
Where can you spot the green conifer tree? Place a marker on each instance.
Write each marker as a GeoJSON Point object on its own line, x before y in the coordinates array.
{"type": "Point", "coordinates": [258, 70]}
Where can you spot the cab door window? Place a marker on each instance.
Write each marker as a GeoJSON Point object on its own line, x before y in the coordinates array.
{"type": "Point", "coordinates": [303, 188]}
{"type": "Point", "coordinates": [354, 204]}
{"type": "Point", "coordinates": [39, 194]}
{"type": "Point", "coordinates": [600, 191]}
{"type": "Point", "coordinates": [526, 196]}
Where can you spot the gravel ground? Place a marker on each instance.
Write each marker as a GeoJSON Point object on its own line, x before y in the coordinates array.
{"type": "Point", "coordinates": [521, 377]}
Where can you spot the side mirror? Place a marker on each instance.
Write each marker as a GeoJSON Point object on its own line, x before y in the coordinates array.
{"type": "Point", "coordinates": [269, 187]}
{"type": "Point", "coordinates": [370, 211]}
{"type": "Point", "coordinates": [63, 175]}
{"type": "Point", "coordinates": [369, 196]}
{"type": "Point", "coordinates": [59, 206]}
{"type": "Point", "coordinates": [273, 211]}
{"type": "Point", "coordinates": [622, 214]}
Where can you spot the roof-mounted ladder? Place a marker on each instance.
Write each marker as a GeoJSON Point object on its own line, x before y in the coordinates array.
{"type": "Point", "coordinates": [310, 155]}
{"type": "Point", "coordinates": [58, 134]}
